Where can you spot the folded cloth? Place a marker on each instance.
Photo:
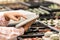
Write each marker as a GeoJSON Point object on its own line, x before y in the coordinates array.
{"type": "Point", "coordinates": [7, 33]}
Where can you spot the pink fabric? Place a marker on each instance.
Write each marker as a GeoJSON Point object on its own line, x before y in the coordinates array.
{"type": "Point", "coordinates": [3, 22]}
{"type": "Point", "coordinates": [8, 32]}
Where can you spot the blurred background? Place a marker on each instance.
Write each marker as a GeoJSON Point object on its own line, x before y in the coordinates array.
{"type": "Point", "coordinates": [49, 16]}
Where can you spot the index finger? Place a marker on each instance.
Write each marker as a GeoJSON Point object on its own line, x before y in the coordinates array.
{"type": "Point", "coordinates": [21, 15]}
{"type": "Point", "coordinates": [24, 16]}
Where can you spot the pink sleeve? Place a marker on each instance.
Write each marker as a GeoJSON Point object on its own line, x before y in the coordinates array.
{"type": "Point", "coordinates": [7, 33]}
{"type": "Point", "coordinates": [10, 32]}
{"type": "Point", "coordinates": [3, 22]}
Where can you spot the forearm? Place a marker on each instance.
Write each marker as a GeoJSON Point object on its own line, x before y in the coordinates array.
{"type": "Point", "coordinates": [28, 25]}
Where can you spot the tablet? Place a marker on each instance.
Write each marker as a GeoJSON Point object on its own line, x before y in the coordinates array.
{"type": "Point", "coordinates": [30, 16]}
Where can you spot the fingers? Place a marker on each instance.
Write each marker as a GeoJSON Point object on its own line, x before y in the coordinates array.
{"type": "Point", "coordinates": [21, 15]}
{"type": "Point", "coordinates": [18, 16]}
{"type": "Point", "coordinates": [14, 18]}
{"type": "Point", "coordinates": [24, 16]}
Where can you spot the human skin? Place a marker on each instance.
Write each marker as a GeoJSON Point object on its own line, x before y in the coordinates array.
{"type": "Point", "coordinates": [16, 17]}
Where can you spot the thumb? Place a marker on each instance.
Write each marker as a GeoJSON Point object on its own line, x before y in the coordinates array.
{"type": "Point", "coordinates": [6, 18]}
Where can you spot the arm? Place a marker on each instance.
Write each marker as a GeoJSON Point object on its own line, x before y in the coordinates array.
{"type": "Point", "coordinates": [13, 32]}
{"type": "Point", "coordinates": [29, 24]}
{"type": "Point", "coordinates": [25, 27]}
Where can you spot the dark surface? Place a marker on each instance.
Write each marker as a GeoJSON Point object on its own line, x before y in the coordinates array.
{"type": "Point", "coordinates": [49, 9]}
{"type": "Point", "coordinates": [46, 4]}
{"type": "Point", "coordinates": [37, 30]}
{"type": "Point", "coordinates": [34, 4]}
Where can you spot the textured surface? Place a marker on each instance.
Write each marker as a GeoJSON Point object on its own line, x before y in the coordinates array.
{"type": "Point", "coordinates": [3, 22]}
{"type": "Point", "coordinates": [10, 32]}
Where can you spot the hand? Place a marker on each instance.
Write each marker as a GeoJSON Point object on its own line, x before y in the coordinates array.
{"type": "Point", "coordinates": [14, 16]}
